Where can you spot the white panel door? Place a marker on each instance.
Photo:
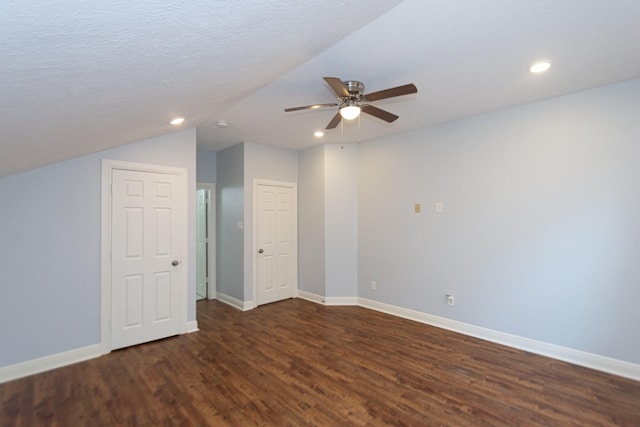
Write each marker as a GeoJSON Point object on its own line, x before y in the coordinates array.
{"type": "Point", "coordinates": [147, 244]}
{"type": "Point", "coordinates": [276, 233]}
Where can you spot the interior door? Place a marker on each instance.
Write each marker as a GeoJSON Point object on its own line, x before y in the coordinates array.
{"type": "Point", "coordinates": [276, 241]}
{"type": "Point", "coordinates": [147, 245]}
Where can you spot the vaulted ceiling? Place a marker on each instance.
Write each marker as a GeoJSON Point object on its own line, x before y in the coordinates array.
{"type": "Point", "coordinates": [79, 76]}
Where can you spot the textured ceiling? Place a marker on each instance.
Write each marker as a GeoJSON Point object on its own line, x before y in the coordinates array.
{"type": "Point", "coordinates": [80, 76]}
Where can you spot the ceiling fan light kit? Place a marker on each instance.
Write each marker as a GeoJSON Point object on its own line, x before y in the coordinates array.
{"type": "Point", "coordinates": [350, 112]}
{"type": "Point", "coordinates": [352, 100]}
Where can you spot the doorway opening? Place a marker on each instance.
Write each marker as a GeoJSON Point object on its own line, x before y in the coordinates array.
{"type": "Point", "coordinates": [205, 241]}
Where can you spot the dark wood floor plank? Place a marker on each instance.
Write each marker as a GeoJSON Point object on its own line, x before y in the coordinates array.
{"type": "Point", "coordinates": [296, 363]}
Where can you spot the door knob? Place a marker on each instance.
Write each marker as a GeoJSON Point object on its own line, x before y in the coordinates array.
{"type": "Point", "coordinates": [175, 262]}
{"type": "Point", "coordinates": [260, 251]}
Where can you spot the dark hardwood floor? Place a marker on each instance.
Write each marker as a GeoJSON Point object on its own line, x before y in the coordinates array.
{"type": "Point", "coordinates": [297, 363]}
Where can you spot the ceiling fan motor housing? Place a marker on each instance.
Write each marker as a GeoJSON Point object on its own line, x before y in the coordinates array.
{"type": "Point", "coordinates": [355, 89]}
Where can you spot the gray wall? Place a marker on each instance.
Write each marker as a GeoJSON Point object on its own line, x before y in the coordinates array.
{"type": "Point", "coordinates": [328, 224]}
{"type": "Point", "coordinates": [311, 244]}
{"type": "Point", "coordinates": [206, 168]}
{"type": "Point", "coordinates": [540, 233]}
{"type": "Point", "coordinates": [341, 219]}
{"type": "Point", "coordinates": [50, 248]}
{"type": "Point", "coordinates": [230, 206]}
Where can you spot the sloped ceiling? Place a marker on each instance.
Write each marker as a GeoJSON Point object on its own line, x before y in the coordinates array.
{"type": "Point", "coordinates": [80, 76]}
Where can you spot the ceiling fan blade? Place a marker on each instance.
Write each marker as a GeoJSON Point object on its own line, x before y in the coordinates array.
{"type": "Point", "coordinates": [334, 122]}
{"type": "Point", "coordinates": [338, 87]}
{"type": "Point", "coordinates": [309, 107]}
{"type": "Point", "coordinates": [379, 113]}
{"type": "Point", "coordinates": [390, 93]}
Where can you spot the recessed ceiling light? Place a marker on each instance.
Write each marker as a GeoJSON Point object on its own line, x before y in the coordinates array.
{"type": "Point", "coordinates": [177, 121]}
{"type": "Point", "coordinates": [222, 124]}
{"type": "Point", "coordinates": [540, 67]}
{"type": "Point", "coordinates": [318, 134]}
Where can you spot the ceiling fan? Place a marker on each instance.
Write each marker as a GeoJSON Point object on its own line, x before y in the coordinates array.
{"type": "Point", "coordinates": [352, 100]}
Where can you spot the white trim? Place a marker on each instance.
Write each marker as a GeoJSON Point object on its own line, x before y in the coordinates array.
{"type": "Point", "coordinates": [105, 259]}
{"type": "Point", "coordinates": [328, 301]}
{"type": "Point", "coordinates": [577, 357]}
{"type": "Point", "coordinates": [235, 303]}
{"type": "Point", "coordinates": [36, 366]}
{"type": "Point", "coordinates": [318, 299]}
{"type": "Point", "coordinates": [213, 242]}
{"type": "Point", "coordinates": [192, 327]}
{"type": "Point", "coordinates": [294, 207]}
{"type": "Point", "coordinates": [340, 301]}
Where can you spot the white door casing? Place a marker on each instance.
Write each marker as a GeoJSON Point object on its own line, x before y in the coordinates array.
{"type": "Point", "coordinates": [276, 249]}
{"type": "Point", "coordinates": [144, 274]}
{"type": "Point", "coordinates": [201, 243]}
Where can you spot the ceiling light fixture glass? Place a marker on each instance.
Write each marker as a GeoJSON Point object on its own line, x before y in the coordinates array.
{"type": "Point", "coordinates": [350, 111]}
{"type": "Point", "coordinates": [318, 134]}
{"type": "Point", "coordinates": [177, 121]}
{"type": "Point", "coordinates": [540, 67]}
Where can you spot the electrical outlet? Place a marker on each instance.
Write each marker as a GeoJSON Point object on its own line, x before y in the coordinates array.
{"type": "Point", "coordinates": [451, 299]}
{"type": "Point", "coordinates": [374, 285]}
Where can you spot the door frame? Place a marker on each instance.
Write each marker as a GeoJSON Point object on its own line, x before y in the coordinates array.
{"type": "Point", "coordinates": [212, 288]}
{"type": "Point", "coordinates": [105, 246]}
{"type": "Point", "coordinates": [294, 208]}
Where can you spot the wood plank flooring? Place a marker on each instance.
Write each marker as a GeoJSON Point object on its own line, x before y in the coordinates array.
{"type": "Point", "coordinates": [295, 363]}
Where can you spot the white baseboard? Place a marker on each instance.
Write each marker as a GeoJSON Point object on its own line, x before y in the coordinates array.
{"type": "Point", "coordinates": [340, 301]}
{"type": "Point", "coordinates": [35, 366]}
{"type": "Point", "coordinates": [234, 302]}
{"type": "Point", "coordinates": [318, 299]}
{"type": "Point", "coordinates": [192, 327]}
{"type": "Point", "coordinates": [576, 357]}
